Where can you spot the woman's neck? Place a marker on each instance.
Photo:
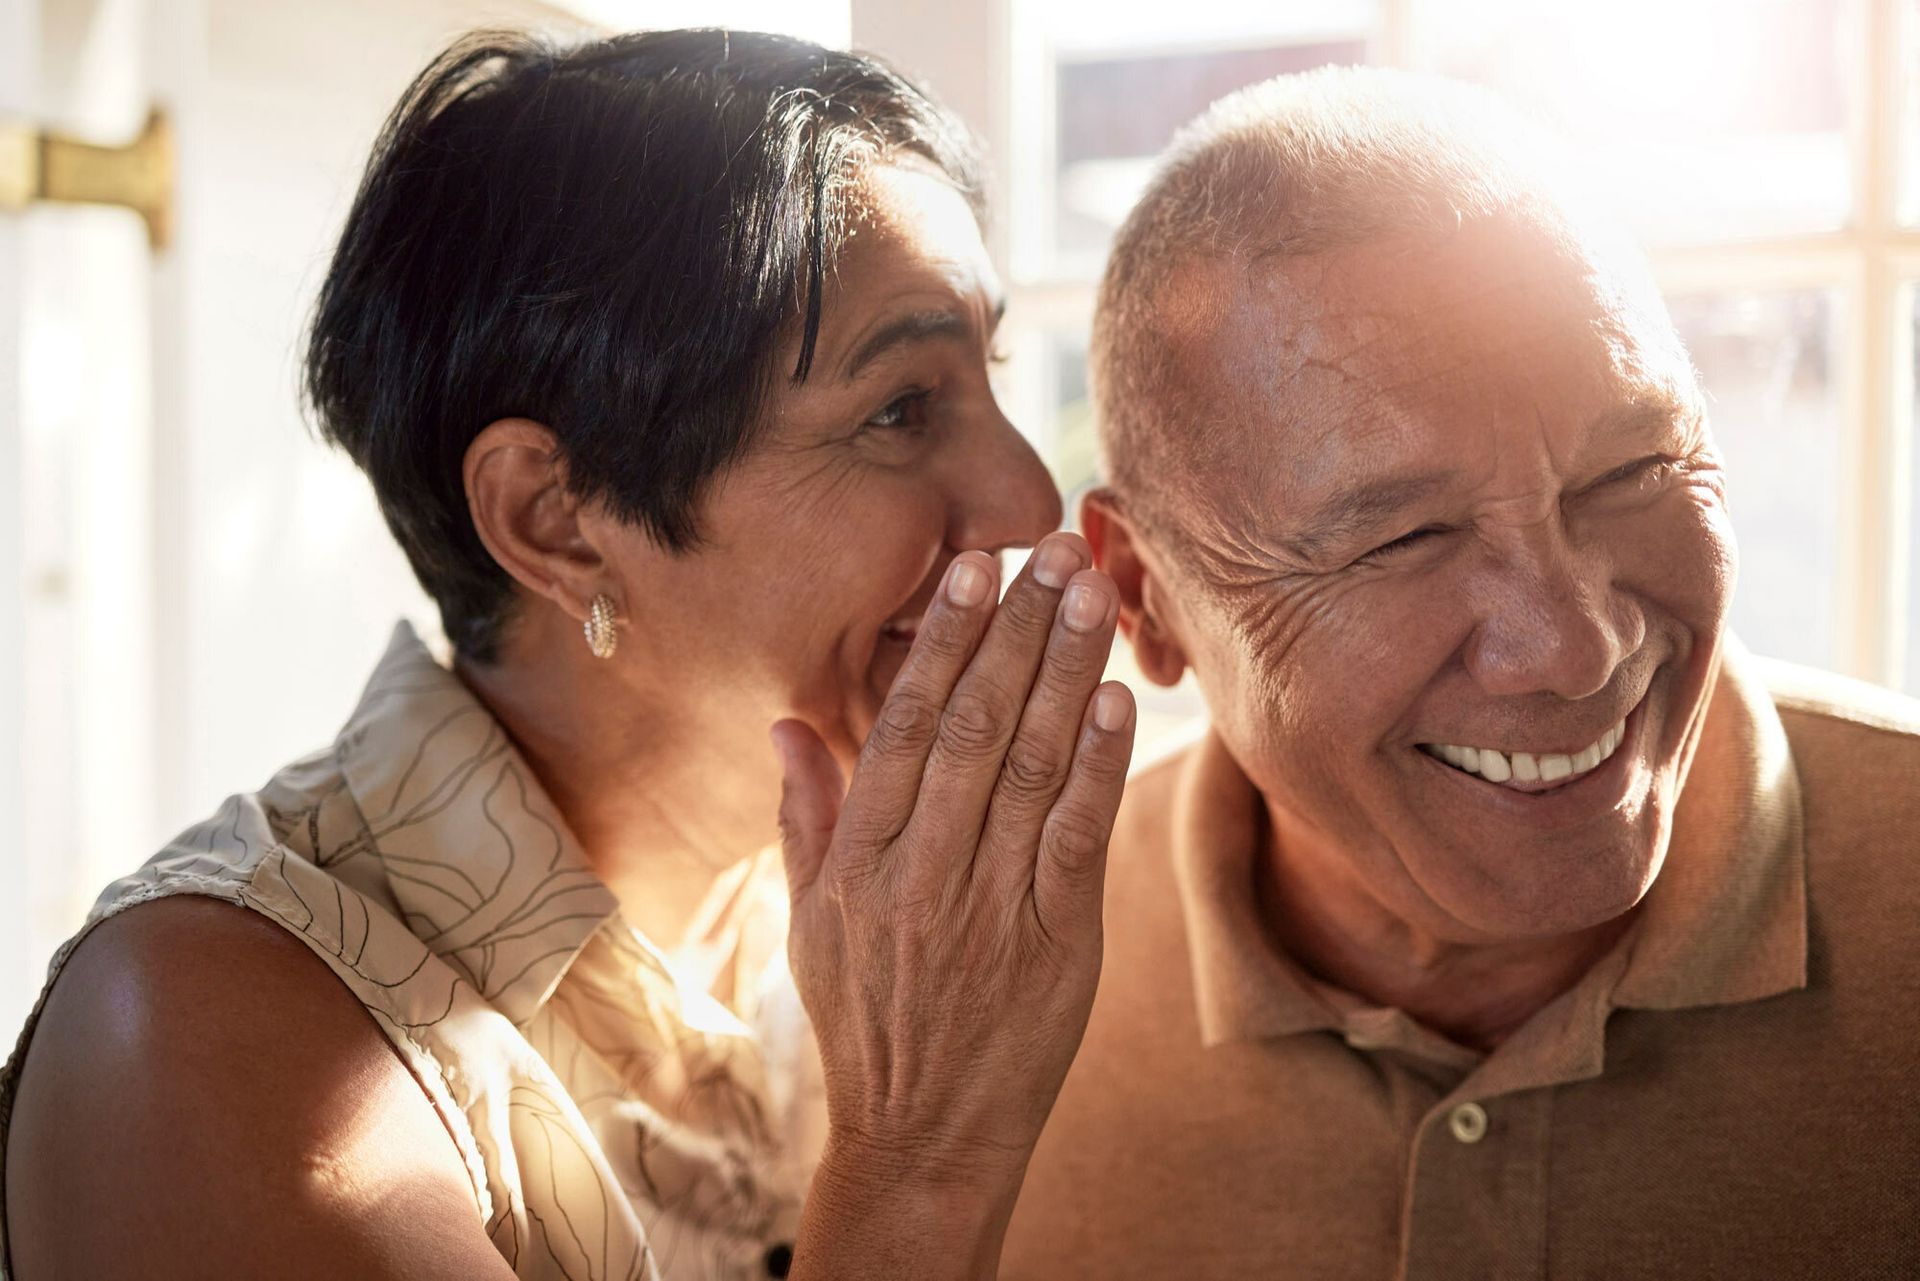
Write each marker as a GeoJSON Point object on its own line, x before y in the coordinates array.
{"type": "Point", "coordinates": [662, 800]}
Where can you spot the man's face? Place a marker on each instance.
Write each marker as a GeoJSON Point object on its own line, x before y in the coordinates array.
{"type": "Point", "coordinates": [1448, 495]}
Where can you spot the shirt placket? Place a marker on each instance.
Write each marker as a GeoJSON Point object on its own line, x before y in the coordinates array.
{"type": "Point", "coordinates": [1476, 1190]}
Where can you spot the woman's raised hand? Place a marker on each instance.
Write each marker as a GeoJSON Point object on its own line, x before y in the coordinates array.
{"type": "Point", "coordinates": [946, 916]}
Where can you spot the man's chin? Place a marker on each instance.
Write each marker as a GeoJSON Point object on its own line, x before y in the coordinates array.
{"type": "Point", "coordinates": [1541, 889]}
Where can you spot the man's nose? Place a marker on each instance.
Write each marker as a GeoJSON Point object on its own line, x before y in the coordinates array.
{"type": "Point", "coordinates": [1550, 620]}
{"type": "Point", "coordinates": [1003, 494]}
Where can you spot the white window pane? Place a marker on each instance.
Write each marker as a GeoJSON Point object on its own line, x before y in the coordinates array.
{"type": "Point", "coordinates": [1703, 120]}
{"type": "Point", "coordinates": [1111, 84]}
{"type": "Point", "coordinates": [1767, 361]}
{"type": "Point", "coordinates": [1066, 441]}
{"type": "Point", "coordinates": [1072, 452]}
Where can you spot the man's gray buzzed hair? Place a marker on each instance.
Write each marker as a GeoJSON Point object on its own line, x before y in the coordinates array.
{"type": "Point", "coordinates": [1299, 165]}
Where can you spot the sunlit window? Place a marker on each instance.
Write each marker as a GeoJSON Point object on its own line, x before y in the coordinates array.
{"type": "Point", "coordinates": [1703, 121]}
{"type": "Point", "coordinates": [1117, 81]}
{"type": "Point", "coordinates": [1767, 359]}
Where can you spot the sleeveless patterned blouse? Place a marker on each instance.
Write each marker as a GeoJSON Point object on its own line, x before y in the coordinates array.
{"type": "Point", "coordinates": [618, 1116]}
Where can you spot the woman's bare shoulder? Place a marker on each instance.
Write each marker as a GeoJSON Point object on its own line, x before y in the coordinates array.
{"type": "Point", "coordinates": [202, 1095]}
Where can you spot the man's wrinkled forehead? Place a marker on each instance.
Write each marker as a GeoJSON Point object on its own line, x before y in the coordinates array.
{"type": "Point", "coordinates": [1293, 348]}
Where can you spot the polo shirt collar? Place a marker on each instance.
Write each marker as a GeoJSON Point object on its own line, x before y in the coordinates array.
{"type": "Point", "coordinates": [1245, 986]}
{"type": "Point", "coordinates": [1724, 922]}
{"type": "Point", "coordinates": [478, 858]}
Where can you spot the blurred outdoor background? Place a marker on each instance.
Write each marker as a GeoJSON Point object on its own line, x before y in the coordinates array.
{"type": "Point", "coordinates": [192, 590]}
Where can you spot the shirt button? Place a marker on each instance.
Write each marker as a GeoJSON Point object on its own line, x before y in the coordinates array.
{"type": "Point", "coordinates": [1468, 1122]}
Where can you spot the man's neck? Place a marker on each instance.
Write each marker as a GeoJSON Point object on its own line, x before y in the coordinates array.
{"type": "Point", "coordinates": [1474, 993]}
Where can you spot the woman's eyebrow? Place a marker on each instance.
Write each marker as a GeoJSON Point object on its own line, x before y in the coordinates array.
{"type": "Point", "coordinates": [915, 326]}
{"type": "Point", "coordinates": [945, 323]}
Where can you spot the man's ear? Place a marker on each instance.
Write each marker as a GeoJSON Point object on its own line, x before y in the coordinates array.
{"type": "Point", "coordinates": [526, 517]}
{"type": "Point", "coordinates": [1117, 551]}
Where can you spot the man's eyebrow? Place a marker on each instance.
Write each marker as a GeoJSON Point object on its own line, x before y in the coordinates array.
{"type": "Point", "coordinates": [1361, 508]}
{"type": "Point", "coordinates": [1367, 506]}
{"type": "Point", "coordinates": [1655, 408]}
{"type": "Point", "coordinates": [917, 326]}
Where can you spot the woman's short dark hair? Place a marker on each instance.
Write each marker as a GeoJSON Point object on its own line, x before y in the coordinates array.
{"type": "Point", "coordinates": [609, 238]}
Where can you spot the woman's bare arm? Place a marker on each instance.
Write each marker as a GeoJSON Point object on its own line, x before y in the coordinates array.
{"type": "Point", "coordinates": [203, 1097]}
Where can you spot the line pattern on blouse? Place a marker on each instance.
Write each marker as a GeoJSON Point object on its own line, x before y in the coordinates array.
{"type": "Point", "coordinates": [615, 1123]}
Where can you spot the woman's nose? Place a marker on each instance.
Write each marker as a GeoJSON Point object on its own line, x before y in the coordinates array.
{"type": "Point", "coordinates": [1003, 494]}
{"type": "Point", "coordinates": [1552, 622]}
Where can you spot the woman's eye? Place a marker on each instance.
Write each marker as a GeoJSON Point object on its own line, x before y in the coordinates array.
{"type": "Point", "coordinates": [1405, 541]}
{"type": "Point", "coordinates": [905, 411]}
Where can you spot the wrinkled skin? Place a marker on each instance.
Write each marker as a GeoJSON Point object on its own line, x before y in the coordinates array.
{"type": "Point", "coordinates": [1551, 554]}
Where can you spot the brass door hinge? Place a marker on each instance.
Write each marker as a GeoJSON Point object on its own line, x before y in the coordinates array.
{"type": "Point", "coordinates": [39, 165]}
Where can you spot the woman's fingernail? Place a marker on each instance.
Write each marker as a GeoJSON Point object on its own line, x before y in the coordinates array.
{"type": "Point", "coordinates": [966, 584]}
{"type": "Point", "coordinates": [1085, 607]}
{"type": "Point", "coordinates": [1055, 561]}
{"type": "Point", "coordinates": [1110, 709]}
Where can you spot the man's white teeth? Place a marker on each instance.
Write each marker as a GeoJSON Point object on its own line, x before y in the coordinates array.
{"type": "Point", "coordinates": [1525, 767]}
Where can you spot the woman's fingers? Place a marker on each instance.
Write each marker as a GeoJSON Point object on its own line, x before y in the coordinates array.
{"type": "Point", "coordinates": [886, 783]}
{"type": "Point", "coordinates": [1071, 868]}
{"type": "Point", "coordinates": [944, 1004]}
{"type": "Point", "coordinates": [969, 749]}
{"type": "Point", "coordinates": [1041, 754]}
{"type": "Point", "coordinates": [811, 788]}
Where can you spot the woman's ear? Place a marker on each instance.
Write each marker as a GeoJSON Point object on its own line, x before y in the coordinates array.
{"type": "Point", "coordinates": [1116, 550]}
{"type": "Point", "coordinates": [526, 517]}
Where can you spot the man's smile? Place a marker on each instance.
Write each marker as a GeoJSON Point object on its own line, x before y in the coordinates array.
{"type": "Point", "coordinates": [1583, 791]}
{"type": "Point", "coordinates": [1529, 771]}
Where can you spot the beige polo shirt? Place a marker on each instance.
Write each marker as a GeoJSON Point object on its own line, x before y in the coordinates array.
{"type": "Point", "coordinates": [1734, 1091]}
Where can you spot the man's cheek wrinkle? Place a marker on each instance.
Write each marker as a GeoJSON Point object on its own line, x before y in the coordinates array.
{"type": "Point", "coordinates": [1272, 620]}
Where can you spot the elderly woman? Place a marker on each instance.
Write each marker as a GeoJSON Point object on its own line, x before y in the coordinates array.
{"type": "Point", "coordinates": [667, 357]}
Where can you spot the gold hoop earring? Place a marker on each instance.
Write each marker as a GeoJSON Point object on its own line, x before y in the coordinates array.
{"type": "Point", "coordinates": [602, 639]}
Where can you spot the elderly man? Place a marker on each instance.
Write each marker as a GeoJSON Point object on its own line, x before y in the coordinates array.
{"type": "Point", "coordinates": [1510, 921]}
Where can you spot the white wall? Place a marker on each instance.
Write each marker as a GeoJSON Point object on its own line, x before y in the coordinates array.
{"type": "Point", "coordinates": [86, 508]}
{"type": "Point", "coordinates": [276, 580]}
{"type": "Point", "coordinates": [959, 52]}
{"type": "Point", "coordinates": [200, 585]}
{"type": "Point", "coordinates": [18, 955]}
